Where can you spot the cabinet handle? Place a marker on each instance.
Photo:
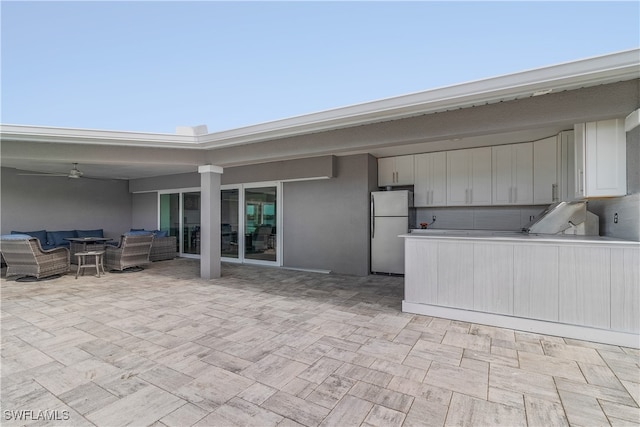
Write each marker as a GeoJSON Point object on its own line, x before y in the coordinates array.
{"type": "Point", "coordinates": [466, 196]}
{"type": "Point", "coordinates": [554, 192]}
{"type": "Point", "coordinates": [515, 194]}
{"type": "Point", "coordinates": [581, 182]}
{"type": "Point", "coordinates": [471, 196]}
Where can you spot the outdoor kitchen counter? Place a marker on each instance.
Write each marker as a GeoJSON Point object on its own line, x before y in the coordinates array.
{"type": "Point", "coordinates": [583, 287]}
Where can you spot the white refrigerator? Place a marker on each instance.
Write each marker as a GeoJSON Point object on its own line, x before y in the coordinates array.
{"type": "Point", "coordinates": [390, 217]}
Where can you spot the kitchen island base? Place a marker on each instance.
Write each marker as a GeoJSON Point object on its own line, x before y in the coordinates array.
{"type": "Point", "coordinates": [572, 286]}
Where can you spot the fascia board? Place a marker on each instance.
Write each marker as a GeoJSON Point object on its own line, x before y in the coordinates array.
{"type": "Point", "coordinates": [95, 137]}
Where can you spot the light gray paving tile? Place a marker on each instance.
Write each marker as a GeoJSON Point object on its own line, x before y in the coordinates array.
{"type": "Point", "coordinates": [299, 410]}
{"type": "Point", "coordinates": [299, 388]}
{"type": "Point", "coordinates": [407, 336]}
{"type": "Point", "coordinates": [145, 406]}
{"type": "Point", "coordinates": [571, 352]}
{"type": "Point", "coordinates": [601, 376]}
{"type": "Point", "coordinates": [320, 370]}
{"type": "Point", "coordinates": [165, 378]}
{"type": "Point", "coordinates": [453, 378]}
{"type": "Point", "coordinates": [371, 376]}
{"type": "Point", "coordinates": [381, 416]}
{"type": "Point", "coordinates": [420, 390]}
{"type": "Point", "coordinates": [506, 397]}
{"type": "Point", "coordinates": [598, 392]}
{"type": "Point", "coordinates": [382, 396]}
{"type": "Point", "coordinates": [425, 413]}
{"type": "Point", "coordinates": [472, 342]}
{"type": "Point", "coordinates": [342, 344]}
{"type": "Point", "coordinates": [399, 370]}
{"type": "Point", "coordinates": [226, 361]}
{"type": "Point", "coordinates": [287, 422]}
{"type": "Point", "coordinates": [524, 382]}
{"type": "Point", "coordinates": [544, 413]}
{"type": "Point", "coordinates": [257, 393]}
{"type": "Point", "coordinates": [350, 411]}
{"type": "Point", "coordinates": [87, 397]}
{"type": "Point", "coordinates": [386, 350]}
{"type": "Point", "coordinates": [622, 412]}
{"type": "Point", "coordinates": [502, 351]}
{"type": "Point", "coordinates": [186, 415]}
{"type": "Point", "coordinates": [492, 358]}
{"type": "Point", "coordinates": [493, 332]}
{"type": "Point", "coordinates": [553, 366]}
{"type": "Point", "coordinates": [274, 371]}
{"type": "Point", "coordinates": [582, 410]}
{"type": "Point", "coordinates": [329, 393]}
{"type": "Point", "coordinates": [477, 412]}
{"type": "Point", "coordinates": [238, 412]}
{"type": "Point", "coordinates": [213, 388]}
{"type": "Point", "coordinates": [633, 389]}
{"type": "Point", "coordinates": [351, 357]}
{"type": "Point", "coordinates": [436, 352]}
{"type": "Point", "coordinates": [25, 360]}
{"type": "Point", "coordinates": [476, 365]}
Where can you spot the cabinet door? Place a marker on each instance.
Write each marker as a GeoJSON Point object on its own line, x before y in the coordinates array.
{"type": "Point", "coordinates": [404, 170]}
{"type": "Point", "coordinates": [430, 188]}
{"type": "Point", "coordinates": [502, 171]}
{"type": "Point", "coordinates": [458, 177]}
{"type": "Point", "coordinates": [480, 176]}
{"type": "Point", "coordinates": [600, 159]}
{"type": "Point", "coordinates": [522, 173]}
{"type": "Point", "coordinates": [386, 171]}
{"type": "Point", "coordinates": [545, 171]}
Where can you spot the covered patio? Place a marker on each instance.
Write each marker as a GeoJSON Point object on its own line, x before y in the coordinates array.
{"type": "Point", "coordinates": [268, 346]}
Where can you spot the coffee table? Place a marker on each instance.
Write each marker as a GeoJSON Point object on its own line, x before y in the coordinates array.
{"type": "Point", "coordinates": [82, 261]}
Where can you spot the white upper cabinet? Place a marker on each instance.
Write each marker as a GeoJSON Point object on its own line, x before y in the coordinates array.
{"type": "Point", "coordinates": [469, 177]}
{"type": "Point", "coordinates": [395, 171]}
{"type": "Point", "coordinates": [545, 171]}
{"type": "Point", "coordinates": [600, 159]}
{"type": "Point", "coordinates": [430, 188]}
{"type": "Point", "coordinates": [513, 174]}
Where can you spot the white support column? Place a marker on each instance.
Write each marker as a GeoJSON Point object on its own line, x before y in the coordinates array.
{"type": "Point", "coordinates": [210, 221]}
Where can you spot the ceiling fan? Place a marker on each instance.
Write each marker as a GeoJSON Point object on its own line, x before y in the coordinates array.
{"type": "Point", "coordinates": [74, 173]}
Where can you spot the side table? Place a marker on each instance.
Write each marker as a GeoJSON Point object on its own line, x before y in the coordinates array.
{"type": "Point", "coordinates": [82, 261]}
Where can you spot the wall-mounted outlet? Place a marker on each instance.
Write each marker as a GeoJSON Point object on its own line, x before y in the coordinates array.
{"type": "Point", "coordinates": [433, 218]}
{"type": "Point", "coordinates": [615, 218]}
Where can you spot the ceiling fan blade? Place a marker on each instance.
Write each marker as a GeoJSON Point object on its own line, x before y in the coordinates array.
{"type": "Point", "coordinates": [44, 174]}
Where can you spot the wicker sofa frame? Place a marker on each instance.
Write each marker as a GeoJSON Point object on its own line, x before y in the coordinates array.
{"type": "Point", "coordinates": [132, 251]}
{"type": "Point", "coordinates": [164, 248]}
{"type": "Point", "coordinates": [27, 258]}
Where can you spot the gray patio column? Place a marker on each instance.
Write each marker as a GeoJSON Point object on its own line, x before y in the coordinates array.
{"type": "Point", "coordinates": [210, 221]}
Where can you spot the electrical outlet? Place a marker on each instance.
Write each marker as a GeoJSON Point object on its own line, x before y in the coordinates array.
{"type": "Point", "coordinates": [433, 218]}
{"type": "Point", "coordinates": [615, 218]}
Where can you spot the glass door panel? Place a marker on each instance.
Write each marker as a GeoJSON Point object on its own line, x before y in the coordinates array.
{"type": "Point", "coordinates": [191, 214]}
{"type": "Point", "coordinates": [229, 207]}
{"type": "Point", "coordinates": [260, 223]}
{"type": "Point", "coordinates": [170, 215]}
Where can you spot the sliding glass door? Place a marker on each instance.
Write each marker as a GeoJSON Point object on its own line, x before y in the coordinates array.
{"type": "Point", "coordinates": [179, 215]}
{"type": "Point", "coordinates": [250, 217]}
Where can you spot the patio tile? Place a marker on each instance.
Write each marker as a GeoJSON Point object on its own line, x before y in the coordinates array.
{"type": "Point", "coordinates": [269, 346]}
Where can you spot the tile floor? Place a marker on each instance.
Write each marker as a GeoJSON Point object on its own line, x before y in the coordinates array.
{"type": "Point", "coordinates": [272, 347]}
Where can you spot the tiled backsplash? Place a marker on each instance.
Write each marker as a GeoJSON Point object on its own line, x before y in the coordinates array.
{"type": "Point", "coordinates": [479, 218]}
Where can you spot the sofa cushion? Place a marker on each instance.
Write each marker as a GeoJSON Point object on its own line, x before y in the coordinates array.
{"type": "Point", "coordinates": [15, 236]}
{"type": "Point", "coordinates": [57, 237]}
{"type": "Point", "coordinates": [159, 233]}
{"type": "Point", "coordinates": [137, 233]}
{"type": "Point", "coordinates": [90, 233]}
{"type": "Point", "coordinates": [40, 235]}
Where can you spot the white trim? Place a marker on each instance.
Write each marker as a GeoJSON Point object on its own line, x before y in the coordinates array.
{"type": "Point", "coordinates": [632, 121]}
{"type": "Point", "coordinates": [624, 339]}
{"type": "Point", "coordinates": [210, 169]}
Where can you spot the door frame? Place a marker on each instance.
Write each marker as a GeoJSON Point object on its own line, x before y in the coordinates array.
{"type": "Point", "coordinates": [180, 192]}
{"type": "Point", "coordinates": [241, 222]}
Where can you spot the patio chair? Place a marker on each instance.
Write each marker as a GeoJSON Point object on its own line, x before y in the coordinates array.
{"type": "Point", "coordinates": [25, 257]}
{"type": "Point", "coordinates": [132, 251]}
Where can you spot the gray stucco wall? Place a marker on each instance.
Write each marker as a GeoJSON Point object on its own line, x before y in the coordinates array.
{"type": "Point", "coordinates": [145, 211]}
{"type": "Point", "coordinates": [326, 223]}
{"type": "Point", "coordinates": [31, 203]}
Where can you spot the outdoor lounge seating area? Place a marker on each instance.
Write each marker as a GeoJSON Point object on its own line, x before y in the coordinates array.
{"type": "Point", "coordinates": [265, 346]}
{"type": "Point", "coordinates": [25, 257]}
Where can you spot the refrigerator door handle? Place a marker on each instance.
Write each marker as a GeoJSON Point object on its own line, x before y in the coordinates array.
{"type": "Point", "coordinates": [373, 217]}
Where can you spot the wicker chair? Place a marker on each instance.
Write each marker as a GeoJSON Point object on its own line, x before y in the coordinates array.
{"type": "Point", "coordinates": [25, 257]}
{"type": "Point", "coordinates": [132, 251]}
{"type": "Point", "coordinates": [164, 248]}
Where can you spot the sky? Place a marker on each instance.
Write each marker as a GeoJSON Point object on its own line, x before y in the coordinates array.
{"type": "Point", "coordinates": [151, 66]}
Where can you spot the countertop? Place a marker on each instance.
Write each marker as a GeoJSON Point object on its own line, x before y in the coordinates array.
{"type": "Point", "coordinates": [516, 236]}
